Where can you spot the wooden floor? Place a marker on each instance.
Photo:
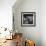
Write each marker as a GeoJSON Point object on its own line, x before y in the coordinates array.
{"type": "Point", "coordinates": [9, 43]}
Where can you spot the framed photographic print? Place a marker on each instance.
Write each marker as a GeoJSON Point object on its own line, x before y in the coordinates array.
{"type": "Point", "coordinates": [28, 19]}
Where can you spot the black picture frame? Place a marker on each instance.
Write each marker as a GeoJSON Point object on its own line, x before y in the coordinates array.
{"type": "Point", "coordinates": [28, 19]}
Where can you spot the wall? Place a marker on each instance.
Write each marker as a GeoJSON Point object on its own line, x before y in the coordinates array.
{"type": "Point", "coordinates": [6, 16]}
{"type": "Point", "coordinates": [33, 33]}
{"type": "Point", "coordinates": [6, 13]}
{"type": "Point", "coordinates": [43, 22]}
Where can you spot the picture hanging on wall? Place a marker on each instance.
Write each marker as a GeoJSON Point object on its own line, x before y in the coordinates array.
{"type": "Point", "coordinates": [28, 19]}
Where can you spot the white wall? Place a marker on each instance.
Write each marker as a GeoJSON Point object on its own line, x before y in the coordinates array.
{"type": "Point", "coordinates": [32, 33]}
{"type": "Point", "coordinates": [6, 13]}
{"type": "Point", "coordinates": [43, 22]}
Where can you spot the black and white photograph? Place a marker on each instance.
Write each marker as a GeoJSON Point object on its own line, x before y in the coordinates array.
{"type": "Point", "coordinates": [28, 19]}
